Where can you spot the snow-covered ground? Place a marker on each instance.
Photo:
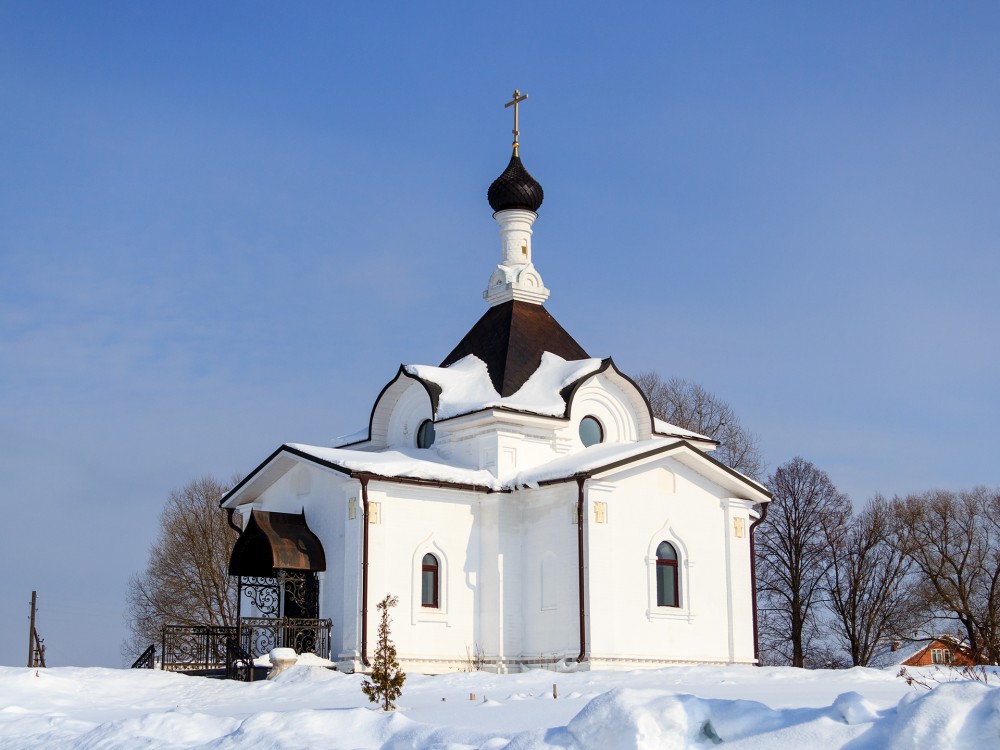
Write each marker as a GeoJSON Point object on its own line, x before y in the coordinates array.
{"type": "Point", "coordinates": [680, 707]}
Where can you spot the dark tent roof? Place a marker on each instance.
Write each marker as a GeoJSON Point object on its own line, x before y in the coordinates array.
{"type": "Point", "coordinates": [276, 541]}
{"type": "Point", "coordinates": [510, 339]}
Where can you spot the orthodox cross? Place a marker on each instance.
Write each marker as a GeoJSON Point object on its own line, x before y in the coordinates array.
{"type": "Point", "coordinates": [518, 98]}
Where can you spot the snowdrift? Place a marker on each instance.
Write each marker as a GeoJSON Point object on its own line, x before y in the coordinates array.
{"type": "Point", "coordinates": [682, 707]}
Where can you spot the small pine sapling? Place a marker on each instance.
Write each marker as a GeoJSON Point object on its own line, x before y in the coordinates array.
{"type": "Point", "coordinates": [386, 683]}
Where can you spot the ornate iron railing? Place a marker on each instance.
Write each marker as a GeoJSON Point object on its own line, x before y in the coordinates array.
{"type": "Point", "coordinates": [262, 593]}
{"type": "Point", "coordinates": [187, 648]}
{"type": "Point", "coordinates": [147, 660]}
{"type": "Point", "coordinates": [258, 635]}
{"type": "Point", "coordinates": [286, 594]}
{"type": "Point", "coordinates": [239, 664]}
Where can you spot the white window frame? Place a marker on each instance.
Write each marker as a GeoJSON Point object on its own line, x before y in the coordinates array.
{"type": "Point", "coordinates": [684, 610]}
{"type": "Point", "coordinates": [418, 612]}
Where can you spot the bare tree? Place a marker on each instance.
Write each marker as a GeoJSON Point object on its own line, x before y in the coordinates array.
{"type": "Point", "coordinates": [866, 582]}
{"type": "Point", "coordinates": [953, 539]}
{"type": "Point", "coordinates": [806, 515]}
{"type": "Point", "coordinates": [690, 406]}
{"type": "Point", "coordinates": [186, 580]}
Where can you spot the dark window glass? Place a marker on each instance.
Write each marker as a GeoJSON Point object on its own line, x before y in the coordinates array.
{"type": "Point", "coordinates": [667, 594]}
{"type": "Point", "coordinates": [425, 434]}
{"type": "Point", "coordinates": [429, 582]}
{"type": "Point", "coordinates": [666, 551]}
{"type": "Point", "coordinates": [591, 432]}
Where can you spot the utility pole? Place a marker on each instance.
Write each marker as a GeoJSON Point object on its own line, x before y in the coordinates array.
{"type": "Point", "coordinates": [31, 631]}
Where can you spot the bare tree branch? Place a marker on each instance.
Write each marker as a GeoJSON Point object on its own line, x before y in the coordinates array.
{"type": "Point", "coordinates": [866, 583]}
{"type": "Point", "coordinates": [953, 539]}
{"type": "Point", "coordinates": [691, 407]}
{"type": "Point", "coordinates": [186, 580]}
{"type": "Point", "coordinates": [806, 517]}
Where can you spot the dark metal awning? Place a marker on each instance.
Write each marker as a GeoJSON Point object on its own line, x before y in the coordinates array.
{"type": "Point", "coordinates": [276, 541]}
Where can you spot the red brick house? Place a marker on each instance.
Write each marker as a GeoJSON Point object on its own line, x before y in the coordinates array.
{"type": "Point", "coordinates": [944, 651]}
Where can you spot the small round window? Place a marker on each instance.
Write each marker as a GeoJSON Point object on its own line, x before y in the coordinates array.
{"type": "Point", "coordinates": [425, 434]}
{"type": "Point", "coordinates": [591, 432]}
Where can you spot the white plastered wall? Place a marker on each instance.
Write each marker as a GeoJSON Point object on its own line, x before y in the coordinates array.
{"type": "Point", "coordinates": [412, 521]}
{"type": "Point", "coordinates": [666, 501]}
{"type": "Point", "coordinates": [549, 576]}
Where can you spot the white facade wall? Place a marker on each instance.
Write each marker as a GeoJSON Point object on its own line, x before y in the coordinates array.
{"type": "Point", "coordinates": [645, 506]}
{"type": "Point", "coordinates": [549, 585]}
{"type": "Point", "coordinates": [411, 522]}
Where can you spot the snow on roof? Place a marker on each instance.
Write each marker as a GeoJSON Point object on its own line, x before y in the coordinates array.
{"type": "Point", "coordinates": [411, 463]}
{"type": "Point", "coordinates": [466, 386]}
{"type": "Point", "coordinates": [540, 394]}
{"type": "Point", "coordinates": [906, 651]}
{"type": "Point", "coordinates": [427, 464]}
{"type": "Point", "coordinates": [586, 460]}
{"type": "Point", "coordinates": [598, 456]}
{"type": "Point", "coordinates": [355, 437]}
{"type": "Point", "coordinates": [890, 658]}
{"type": "Point", "coordinates": [665, 428]}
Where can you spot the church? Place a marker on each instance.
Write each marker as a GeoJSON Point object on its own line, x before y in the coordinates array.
{"type": "Point", "coordinates": [520, 500]}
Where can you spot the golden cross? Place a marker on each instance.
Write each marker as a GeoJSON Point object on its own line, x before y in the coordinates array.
{"type": "Point", "coordinates": [518, 98]}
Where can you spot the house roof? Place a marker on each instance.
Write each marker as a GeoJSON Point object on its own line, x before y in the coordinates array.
{"type": "Point", "coordinates": [414, 465]}
{"type": "Point", "coordinates": [606, 457]}
{"type": "Point", "coordinates": [428, 467]}
{"type": "Point", "coordinates": [665, 428]}
{"type": "Point", "coordinates": [510, 339]}
{"type": "Point", "coordinates": [911, 649]}
{"type": "Point", "coordinates": [904, 652]}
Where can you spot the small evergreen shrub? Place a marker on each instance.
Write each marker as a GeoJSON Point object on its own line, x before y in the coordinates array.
{"type": "Point", "coordinates": [386, 680]}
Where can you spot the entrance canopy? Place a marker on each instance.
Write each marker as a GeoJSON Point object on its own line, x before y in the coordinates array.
{"type": "Point", "coordinates": [276, 541]}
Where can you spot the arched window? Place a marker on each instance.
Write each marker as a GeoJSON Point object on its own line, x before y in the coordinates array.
{"type": "Point", "coordinates": [667, 593]}
{"type": "Point", "coordinates": [429, 582]}
{"type": "Point", "coordinates": [425, 434]}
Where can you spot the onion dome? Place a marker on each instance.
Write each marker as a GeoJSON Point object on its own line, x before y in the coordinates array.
{"type": "Point", "coordinates": [515, 188]}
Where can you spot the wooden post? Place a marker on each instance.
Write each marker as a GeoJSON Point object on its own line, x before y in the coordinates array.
{"type": "Point", "coordinates": [31, 631]}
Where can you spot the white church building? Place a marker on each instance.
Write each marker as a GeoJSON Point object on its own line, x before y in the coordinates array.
{"type": "Point", "coordinates": [519, 498]}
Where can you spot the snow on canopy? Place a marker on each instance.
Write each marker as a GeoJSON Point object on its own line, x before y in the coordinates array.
{"type": "Point", "coordinates": [466, 386]}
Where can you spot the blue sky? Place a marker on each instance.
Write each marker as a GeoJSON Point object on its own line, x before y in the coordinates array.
{"type": "Point", "coordinates": [223, 226]}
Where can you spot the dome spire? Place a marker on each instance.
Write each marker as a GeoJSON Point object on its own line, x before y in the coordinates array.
{"type": "Point", "coordinates": [515, 188]}
{"type": "Point", "coordinates": [518, 98]}
{"type": "Point", "coordinates": [515, 197]}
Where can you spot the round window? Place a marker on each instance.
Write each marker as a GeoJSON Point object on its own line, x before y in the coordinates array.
{"type": "Point", "coordinates": [425, 434]}
{"type": "Point", "coordinates": [591, 432]}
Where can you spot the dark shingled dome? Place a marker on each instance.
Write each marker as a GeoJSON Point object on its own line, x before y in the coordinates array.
{"type": "Point", "coordinates": [515, 188]}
